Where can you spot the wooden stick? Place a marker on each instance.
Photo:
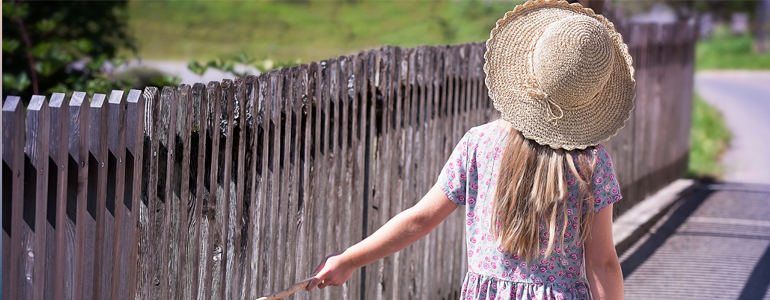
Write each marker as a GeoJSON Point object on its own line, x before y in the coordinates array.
{"type": "Point", "coordinates": [288, 292]}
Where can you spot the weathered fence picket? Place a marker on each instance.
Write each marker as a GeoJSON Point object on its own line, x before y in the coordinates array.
{"type": "Point", "coordinates": [235, 189]}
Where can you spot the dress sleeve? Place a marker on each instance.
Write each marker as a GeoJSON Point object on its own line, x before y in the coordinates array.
{"type": "Point", "coordinates": [606, 187]}
{"type": "Point", "coordinates": [454, 176]}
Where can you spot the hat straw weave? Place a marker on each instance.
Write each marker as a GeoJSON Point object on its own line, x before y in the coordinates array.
{"type": "Point", "coordinates": [560, 74]}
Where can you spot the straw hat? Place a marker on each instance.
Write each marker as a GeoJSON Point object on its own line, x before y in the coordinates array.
{"type": "Point", "coordinates": [560, 74]}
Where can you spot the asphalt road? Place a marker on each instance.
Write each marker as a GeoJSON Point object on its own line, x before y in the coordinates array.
{"type": "Point", "coordinates": [743, 97]}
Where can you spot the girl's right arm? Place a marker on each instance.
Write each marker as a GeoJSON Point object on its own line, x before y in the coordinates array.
{"type": "Point", "coordinates": [401, 231]}
{"type": "Point", "coordinates": [602, 265]}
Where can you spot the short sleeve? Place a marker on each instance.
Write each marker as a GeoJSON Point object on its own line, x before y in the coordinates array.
{"type": "Point", "coordinates": [605, 183]}
{"type": "Point", "coordinates": [454, 176]}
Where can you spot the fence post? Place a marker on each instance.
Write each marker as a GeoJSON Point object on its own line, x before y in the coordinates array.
{"type": "Point", "coordinates": [35, 199]}
{"type": "Point", "coordinates": [61, 273]}
{"type": "Point", "coordinates": [13, 193]}
{"type": "Point", "coordinates": [116, 186]}
{"type": "Point", "coordinates": [135, 159]}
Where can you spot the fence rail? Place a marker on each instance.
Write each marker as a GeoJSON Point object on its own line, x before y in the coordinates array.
{"type": "Point", "coordinates": [235, 189]}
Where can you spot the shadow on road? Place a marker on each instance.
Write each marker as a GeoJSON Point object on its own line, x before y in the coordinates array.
{"type": "Point", "coordinates": [720, 213]}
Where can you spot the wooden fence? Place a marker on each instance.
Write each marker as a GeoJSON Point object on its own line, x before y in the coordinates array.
{"type": "Point", "coordinates": [234, 189]}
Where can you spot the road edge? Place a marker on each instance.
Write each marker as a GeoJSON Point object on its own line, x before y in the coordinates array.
{"type": "Point", "coordinates": [632, 224]}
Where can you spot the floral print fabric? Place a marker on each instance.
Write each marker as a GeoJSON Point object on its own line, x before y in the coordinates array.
{"type": "Point", "coordinates": [470, 178]}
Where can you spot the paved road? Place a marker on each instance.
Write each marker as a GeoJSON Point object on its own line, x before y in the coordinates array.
{"type": "Point", "coordinates": [713, 245]}
{"type": "Point", "coordinates": [743, 97]}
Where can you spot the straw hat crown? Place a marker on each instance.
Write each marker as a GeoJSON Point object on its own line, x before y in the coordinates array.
{"type": "Point", "coordinates": [560, 74]}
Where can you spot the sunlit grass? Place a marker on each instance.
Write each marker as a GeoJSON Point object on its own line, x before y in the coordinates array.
{"type": "Point", "coordinates": [727, 51]}
{"type": "Point", "coordinates": [309, 31]}
{"type": "Point", "coordinates": [709, 138]}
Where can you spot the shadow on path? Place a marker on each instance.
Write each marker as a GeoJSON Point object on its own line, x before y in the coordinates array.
{"type": "Point", "coordinates": [713, 244]}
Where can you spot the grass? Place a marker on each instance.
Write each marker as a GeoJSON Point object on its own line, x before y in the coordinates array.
{"type": "Point", "coordinates": [709, 138]}
{"type": "Point", "coordinates": [309, 31]}
{"type": "Point", "coordinates": [727, 51]}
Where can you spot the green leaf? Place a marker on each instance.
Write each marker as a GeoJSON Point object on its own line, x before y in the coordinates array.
{"type": "Point", "coordinates": [10, 45]}
{"type": "Point", "coordinates": [85, 45]}
{"type": "Point", "coordinates": [197, 68]}
{"type": "Point", "coordinates": [46, 25]}
{"type": "Point", "coordinates": [18, 82]}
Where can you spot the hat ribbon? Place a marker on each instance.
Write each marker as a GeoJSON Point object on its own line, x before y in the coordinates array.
{"type": "Point", "coordinates": [544, 98]}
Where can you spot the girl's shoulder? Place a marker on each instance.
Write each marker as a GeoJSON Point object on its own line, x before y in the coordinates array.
{"type": "Point", "coordinates": [496, 128]}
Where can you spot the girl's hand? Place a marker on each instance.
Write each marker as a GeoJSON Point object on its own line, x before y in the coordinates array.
{"type": "Point", "coordinates": [334, 270]}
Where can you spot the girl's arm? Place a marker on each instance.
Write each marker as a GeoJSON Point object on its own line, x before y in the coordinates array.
{"type": "Point", "coordinates": [602, 266]}
{"type": "Point", "coordinates": [401, 231]}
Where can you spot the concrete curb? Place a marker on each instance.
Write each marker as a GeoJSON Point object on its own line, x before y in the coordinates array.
{"type": "Point", "coordinates": [632, 224]}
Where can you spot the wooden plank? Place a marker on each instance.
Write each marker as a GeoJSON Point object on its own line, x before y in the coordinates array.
{"type": "Point", "coordinates": [97, 196]}
{"type": "Point", "coordinates": [295, 225]}
{"type": "Point", "coordinates": [116, 186]}
{"type": "Point", "coordinates": [267, 202]}
{"type": "Point", "coordinates": [13, 191]}
{"type": "Point", "coordinates": [166, 176]}
{"type": "Point", "coordinates": [135, 160]}
{"type": "Point", "coordinates": [77, 178]}
{"type": "Point", "coordinates": [236, 243]}
{"type": "Point", "coordinates": [212, 206]}
{"type": "Point", "coordinates": [196, 256]}
{"type": "Point", "coordinates": [286, 210]}
{"type": "Point", "coordinates": [305, 138]}
{"type": "Point", "coordinates": [260, 169]}
{"type": "Point", "coordinates": [148, 273]}
{"type": "Point", "coordinates": [184, 192]}
{"type": "Point", "coordinates": [406, 279]}
{"type": "Point", "coordinates": [248, 229]}
{"type": "Point", "coordinates": [429, 158]}
{"type": "Point", "coordinates": [224, 181]}
{"type": "Point", "coordinates": [61, 272]}
{"type": "Point", "coordinates": [35, 200]}
{"type": "Point", "coordinates": [316, 202]}
{"type": "Point", "coordinates": [361, 168]}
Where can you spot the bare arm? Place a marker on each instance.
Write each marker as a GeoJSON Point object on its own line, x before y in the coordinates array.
{"type": "Point", "coordinates": [602, 266]}
{"type": "Point", "coordinates": [401, 231]}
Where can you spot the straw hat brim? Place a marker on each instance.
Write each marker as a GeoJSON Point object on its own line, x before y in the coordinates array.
{"type": "Point", "coordinates": [507, 66]}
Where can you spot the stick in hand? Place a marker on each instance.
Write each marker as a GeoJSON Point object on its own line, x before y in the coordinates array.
{"type": "Point", "coordinates": [287, 292]}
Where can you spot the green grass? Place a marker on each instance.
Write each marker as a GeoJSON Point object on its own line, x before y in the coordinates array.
{"type": "Point", "coordinates": [309, 31]}
{"type": "Point", "coordinates": [726, 51]}
{"type": "Point", "coordinates": [709, 138]}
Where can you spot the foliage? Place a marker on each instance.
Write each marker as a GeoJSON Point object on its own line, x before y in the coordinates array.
{"type": "Point", "coordinates": [726, 51]}
{"type": "Point", "coordinates": [60, 46]}
{"type": "Point", "coordinates": [228, 65]}
{"type": "Point", "coordinates": [709, 138]}
{"type": "Point", "coordinates": [310, 30]}
{"type": "Point", "coordinates": [722, 9]}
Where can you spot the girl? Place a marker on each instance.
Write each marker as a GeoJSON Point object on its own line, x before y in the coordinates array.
{"type": "Point", "coordinates": [537, 187]}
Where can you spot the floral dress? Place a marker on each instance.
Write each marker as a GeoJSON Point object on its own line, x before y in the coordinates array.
{"type": "Point", "coordinates": [469, 178]}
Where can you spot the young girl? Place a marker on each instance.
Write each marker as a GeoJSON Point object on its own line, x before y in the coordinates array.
{"type": "Point", "coordinates": [537, 187]}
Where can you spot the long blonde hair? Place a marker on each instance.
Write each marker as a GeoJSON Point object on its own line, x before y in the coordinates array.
{"type": "Point", "coordinates": [532, 187]}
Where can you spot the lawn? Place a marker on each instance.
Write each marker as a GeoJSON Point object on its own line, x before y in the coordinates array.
{"type": "Point", "coordinates": [727, 51]}
{"type": "Point", "coordinates": [309, 31]}
{"type": "Point", "coordinates": [709, 138]}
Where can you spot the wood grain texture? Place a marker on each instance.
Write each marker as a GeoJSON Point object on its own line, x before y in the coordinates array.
{"type": "Point", "coordinates": [77, 178]}
{"type": "Point", "coordinates": [34, 237]}
{"type": "Point", "coordinates": [97, 196]}
{"type": "Point", "coordinates": [13, 194]}
{"type": "Point", "coordinates": [116, 187]}
{"type": "Point", "coordinates": [60, 273]}
{"type": "Point", "coordinates": [148, 276]}
{"type": "Point", "coordinates": [135, 162]}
